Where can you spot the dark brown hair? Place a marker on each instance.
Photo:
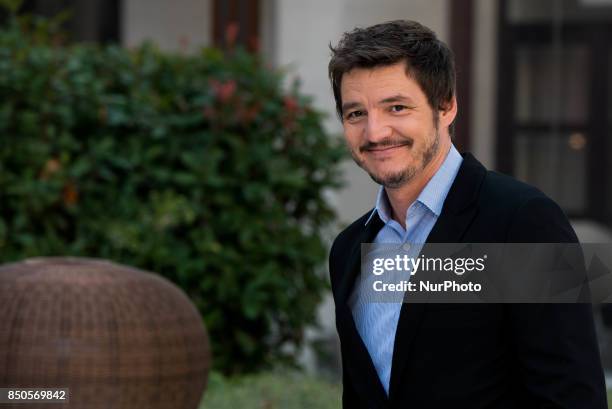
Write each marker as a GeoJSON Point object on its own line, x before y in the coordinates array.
{"type": "Point", "coordinates": [428, 60]}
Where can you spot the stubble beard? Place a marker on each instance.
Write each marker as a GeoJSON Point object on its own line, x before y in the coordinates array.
{"type": "Point", "coordinates": [400, 178]}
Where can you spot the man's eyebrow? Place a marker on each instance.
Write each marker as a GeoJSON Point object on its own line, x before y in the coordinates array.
{"type": "Point", "coordinates": [350, 105]}
{"type": "Point", "coordinates": [397, 98]}
{"type": "Point", "coordinates": [394, 98]}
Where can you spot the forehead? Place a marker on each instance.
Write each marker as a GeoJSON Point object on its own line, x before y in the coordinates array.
{"type": "Point", "coordinates": [379, 82]}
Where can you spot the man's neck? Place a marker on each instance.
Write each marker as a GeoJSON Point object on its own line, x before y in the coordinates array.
{"type": "Point", "coordinates": [402, 197]}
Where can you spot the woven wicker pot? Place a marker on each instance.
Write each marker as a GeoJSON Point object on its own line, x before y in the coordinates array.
{"type": "Point", "coordinates": [117, 337]}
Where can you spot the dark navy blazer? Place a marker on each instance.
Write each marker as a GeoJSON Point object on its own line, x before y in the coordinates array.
{"type": "Point", "coordinates": [453, 356]}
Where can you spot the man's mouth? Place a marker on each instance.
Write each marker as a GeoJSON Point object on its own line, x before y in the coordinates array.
{"type": "Point", "coordinates": [383, 148]}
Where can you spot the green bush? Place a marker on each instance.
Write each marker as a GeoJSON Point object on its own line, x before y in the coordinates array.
{"type": "Point", "coordinates": [201, 168]}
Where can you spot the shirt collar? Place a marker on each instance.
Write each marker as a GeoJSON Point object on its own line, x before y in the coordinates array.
{"type": "Point", "coordinates": [434, 193]}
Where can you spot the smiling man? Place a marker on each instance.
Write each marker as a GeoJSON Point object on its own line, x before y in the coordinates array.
{"type": "Point", "coordinates": [394, 86]}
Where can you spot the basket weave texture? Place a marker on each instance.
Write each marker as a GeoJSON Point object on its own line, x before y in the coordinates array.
{"type": "Point", "coordinates": [117, 337]}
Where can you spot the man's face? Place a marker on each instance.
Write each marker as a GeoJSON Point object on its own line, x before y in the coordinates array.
{"type": "Point", "coordinates": [388, 123]}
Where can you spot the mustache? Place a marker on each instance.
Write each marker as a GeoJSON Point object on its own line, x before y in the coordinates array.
{"type": "Point", "coordinates": [386, 143]}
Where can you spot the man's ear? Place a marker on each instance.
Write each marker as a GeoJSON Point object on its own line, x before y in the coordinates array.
{"type": "Point", "coordinates": [448, 112]}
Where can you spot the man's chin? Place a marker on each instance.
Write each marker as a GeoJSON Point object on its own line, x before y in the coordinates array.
{"type": "Point", "coordinates": [393, 180]}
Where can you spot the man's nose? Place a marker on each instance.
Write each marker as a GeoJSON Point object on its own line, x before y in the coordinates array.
{"type": "Point", "coordinates": [377, 129]}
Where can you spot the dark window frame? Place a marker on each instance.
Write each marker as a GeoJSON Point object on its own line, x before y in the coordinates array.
{"type": "Point", "coordinates": [594, 35]}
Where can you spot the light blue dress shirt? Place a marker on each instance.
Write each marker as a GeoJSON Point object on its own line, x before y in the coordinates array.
{"type": "Point", "coordinates": [377, 321]}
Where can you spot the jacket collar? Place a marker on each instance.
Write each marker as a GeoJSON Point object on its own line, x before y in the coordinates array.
{"type": "Point", "coordinates": [433, 194]}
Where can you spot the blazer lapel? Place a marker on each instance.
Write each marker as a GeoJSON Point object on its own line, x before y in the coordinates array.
{"type": "Point", "coordinates": [357, 359]}
{"type": "Point", "coordinates": [457, 213]}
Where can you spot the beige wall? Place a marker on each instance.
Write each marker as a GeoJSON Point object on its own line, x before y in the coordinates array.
{"type": "Point", "coordinates": [173, 25]}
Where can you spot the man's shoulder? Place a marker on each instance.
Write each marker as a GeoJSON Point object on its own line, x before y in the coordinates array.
{"type": "Point", "coordinates": [343, 246]}
{"type": "Point", "coordinates": [490, 189]}
{"type": "Point", "coordinates": [527, 213]}
{"type": "Point", "coordinates": [507, 191]}
{"type": "Point", "coordinates": [352, 231]}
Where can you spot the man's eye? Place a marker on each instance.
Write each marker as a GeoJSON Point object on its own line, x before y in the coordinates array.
{"type": "Point", "coordinates": [354, 114]}
{"type": "Point", "coordinates": [397, 108]}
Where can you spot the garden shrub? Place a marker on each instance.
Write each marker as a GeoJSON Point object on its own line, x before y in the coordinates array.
{"type": "Point", "coordinates": [202, 168]}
